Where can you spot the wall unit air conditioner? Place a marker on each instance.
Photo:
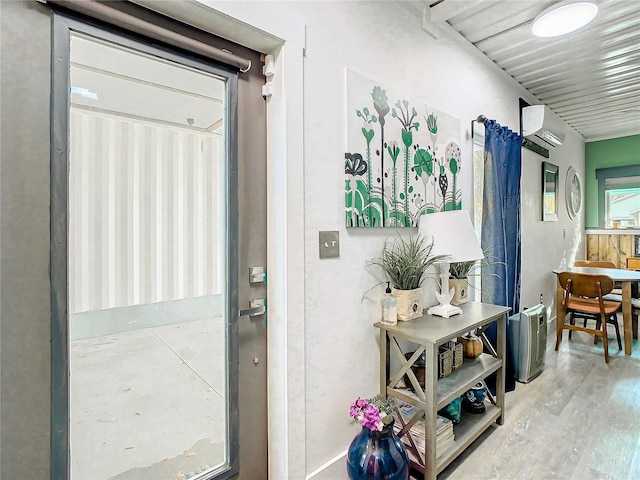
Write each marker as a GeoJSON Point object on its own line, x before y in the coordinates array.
{"type": "Point", "coordinates": [541, 125]}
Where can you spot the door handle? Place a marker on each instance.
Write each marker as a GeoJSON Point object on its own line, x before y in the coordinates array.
{"type": "Point", "coordinates": [256, 307]}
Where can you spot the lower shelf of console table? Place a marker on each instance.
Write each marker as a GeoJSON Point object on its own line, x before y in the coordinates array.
{"type": "Point", "coordinates": [471, 426]}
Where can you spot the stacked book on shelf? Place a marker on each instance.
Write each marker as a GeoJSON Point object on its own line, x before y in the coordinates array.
{"type": "Point", "coordinates": [445, 439]}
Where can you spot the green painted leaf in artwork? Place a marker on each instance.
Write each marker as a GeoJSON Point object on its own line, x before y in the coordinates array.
{"type": "Point", "coordinates": [411, 189]}
{"type": "Point", "coordinates": [375, 206]}
{"type": "Point", "coordinates": [394, 151]}
{"type": "Point", "coordinates": [432, 124]}
{"type": "Point", "coordinates": [401, 196]}
{"type": "Point", "coordinates": [348, 201]}
{"type": "Point", "coordinates": [453, 165]}
{"type": "Point", "coordinates": [362, 195]}
{"type": "Point", "coordinates": [423, 162]}
{"type": "Point", "coordinates": [451, 205]}
{"type": "Point", "coordinates": [368, 134]}
{"type": "Point", "coordinates": [407, 138]}
{"type": "Point", "coordinates": [356, 200]}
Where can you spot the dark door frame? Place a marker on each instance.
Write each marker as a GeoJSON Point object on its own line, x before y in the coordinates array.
{"type": "Point", "coordinates": [63, 25]}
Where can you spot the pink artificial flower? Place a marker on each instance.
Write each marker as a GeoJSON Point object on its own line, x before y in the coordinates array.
{"type": "Point", "coordinates": [367, 414]}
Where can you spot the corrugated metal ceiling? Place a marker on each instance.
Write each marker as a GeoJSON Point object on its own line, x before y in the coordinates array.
{"type": "Point", "coordinates": [590, 78]}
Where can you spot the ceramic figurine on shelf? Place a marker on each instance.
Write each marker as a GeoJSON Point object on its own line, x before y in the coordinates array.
{"type": "Point", "coordinates": [471, 345]}
{"type": "Point", "coordinates": [473, 399]}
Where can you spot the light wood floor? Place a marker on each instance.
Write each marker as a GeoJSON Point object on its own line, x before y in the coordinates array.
{"type": "Point", "coordinates": [580, 419]}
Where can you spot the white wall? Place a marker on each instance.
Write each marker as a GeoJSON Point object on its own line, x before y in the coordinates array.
{"type": "Point", "coordinates": [547, 245]}
{"type": "Point", "coordinates": [339, 348]}
{"type": "Point", "coordinates": [384, 41]}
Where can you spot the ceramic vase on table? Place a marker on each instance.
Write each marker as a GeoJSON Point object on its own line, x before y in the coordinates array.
{"type": "Point", "coordinates": [377, 456]}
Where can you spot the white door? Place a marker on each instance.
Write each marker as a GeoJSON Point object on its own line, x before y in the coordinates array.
{"type": "Point", "coordinates": [159, 213]}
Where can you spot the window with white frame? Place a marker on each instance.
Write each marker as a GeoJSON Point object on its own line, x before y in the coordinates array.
{"type": "Point", "coordinates": [619, 197]}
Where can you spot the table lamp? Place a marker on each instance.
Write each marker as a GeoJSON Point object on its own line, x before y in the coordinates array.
{"type": "Point", "coordinates": [453, 235]}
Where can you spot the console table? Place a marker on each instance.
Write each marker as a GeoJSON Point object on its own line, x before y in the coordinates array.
{"type": "Point", "coordinates": [426, 334]}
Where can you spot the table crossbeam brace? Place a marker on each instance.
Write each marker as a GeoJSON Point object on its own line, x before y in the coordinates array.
{"type": "Point", "coordinates": [406, 431]}
{"type": "Point", "coordinates": [406, 368]}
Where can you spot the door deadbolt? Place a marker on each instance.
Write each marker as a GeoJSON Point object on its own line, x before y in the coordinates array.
{"type": "Point", "coordinates": [257, 275]}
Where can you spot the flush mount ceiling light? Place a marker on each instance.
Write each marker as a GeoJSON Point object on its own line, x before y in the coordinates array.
{"type": "Point", "coordinates": [564, 17]}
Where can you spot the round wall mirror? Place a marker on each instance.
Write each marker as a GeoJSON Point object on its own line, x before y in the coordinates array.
{"type": "Point", "coordinates": [573, 193]}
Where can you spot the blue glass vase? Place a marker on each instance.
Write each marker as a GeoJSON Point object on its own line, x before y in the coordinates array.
{"type": "Point", "coordinates": [377, 456]}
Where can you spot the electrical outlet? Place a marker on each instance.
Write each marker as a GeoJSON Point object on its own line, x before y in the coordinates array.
{"type": "Point", "coordinates": [329, 244]}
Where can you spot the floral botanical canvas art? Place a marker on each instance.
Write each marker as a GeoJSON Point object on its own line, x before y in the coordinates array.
{"type": "Point", "coordinates": [402, 160]}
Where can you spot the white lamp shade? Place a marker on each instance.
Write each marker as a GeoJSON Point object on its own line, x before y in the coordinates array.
{"type": "Point", "coordinates": [453, 235]}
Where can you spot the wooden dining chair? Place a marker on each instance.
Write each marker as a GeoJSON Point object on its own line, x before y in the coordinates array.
{"type": "Point", "coordinates": [583, 296]}
{"type": "Point", "coordinates": [633, 263]}
{"type": "Point", "coordinates": [614, 296]}
{"type": "Point", "coordinates": [594, 264]}
{"type": "Point", "coordinates": [617, 288]}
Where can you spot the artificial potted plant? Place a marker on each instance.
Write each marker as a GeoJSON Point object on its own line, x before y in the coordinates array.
{"type": "Point", "coordinates": [459, 273]}
{"type": "Point", "coordinates": [405, 263]}
{"type": "Point", "coordinates": [459, 280]}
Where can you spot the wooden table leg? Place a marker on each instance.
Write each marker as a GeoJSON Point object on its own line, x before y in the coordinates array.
{"type": "Point", "coordinates": [559, 311]}
{"type": "Point", "coordinates": [626, 316]}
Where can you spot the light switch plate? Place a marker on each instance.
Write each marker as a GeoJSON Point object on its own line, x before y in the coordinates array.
{"type": "Point", "coordinates": [329, 244]}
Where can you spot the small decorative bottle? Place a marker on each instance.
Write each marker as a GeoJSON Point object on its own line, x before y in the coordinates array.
{"type": "Point", "coordinates": [389, 308]}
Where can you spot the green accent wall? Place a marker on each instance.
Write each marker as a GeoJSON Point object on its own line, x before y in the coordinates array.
{"type": "Point", "coordinates": [616, 152]}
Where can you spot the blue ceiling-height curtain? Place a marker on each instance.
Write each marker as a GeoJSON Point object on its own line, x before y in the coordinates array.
{"type": "Point", "coordinates": [501, 216]}
{"type": "Point", "coordinates": [501, 224]}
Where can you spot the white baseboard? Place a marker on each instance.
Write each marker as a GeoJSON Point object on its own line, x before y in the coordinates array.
{"type": "Point", "coordinates": [334, 469]}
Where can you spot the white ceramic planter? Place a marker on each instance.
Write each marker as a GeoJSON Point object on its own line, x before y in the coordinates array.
{"type": "Point", "coordinates": [409, 303]}
{"type": "Point", "coordinates": [460, 290]}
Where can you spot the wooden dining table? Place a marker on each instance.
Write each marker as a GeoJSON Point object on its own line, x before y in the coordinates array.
{"type": "Point", "coordinates": [624, 277]}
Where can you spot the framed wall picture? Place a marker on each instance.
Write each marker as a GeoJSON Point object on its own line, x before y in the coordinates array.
{"type": "Point", "coordinates": [549, 192]}
{"type": "Point", "coordinates": [402, 160]}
